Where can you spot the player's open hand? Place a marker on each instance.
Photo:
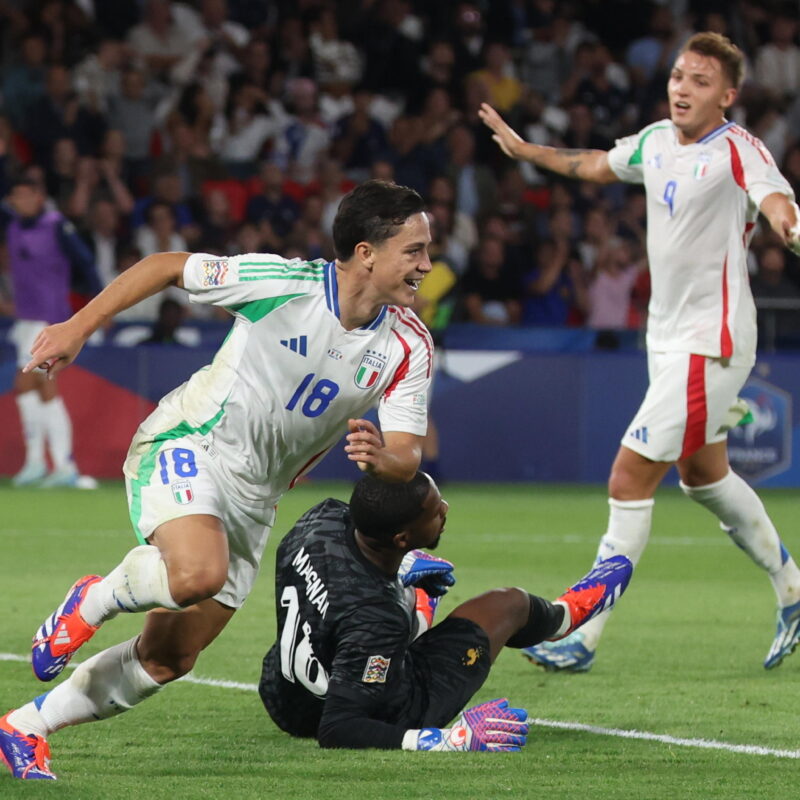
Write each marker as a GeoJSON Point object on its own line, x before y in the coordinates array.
{"type": "Point", "coordinates": [364, 444]}
{"type": "Point", "coordinates": [55, 347]}
{"type": "Point", "coordinates": [508, 139]}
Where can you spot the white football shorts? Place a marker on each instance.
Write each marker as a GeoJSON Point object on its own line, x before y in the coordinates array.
{"type": "Point", "coordinates": [178, 478]}
{"type": "Point", "coordinates": [685, 407]}
{"type": "Point", "coordinates": [22, 335]}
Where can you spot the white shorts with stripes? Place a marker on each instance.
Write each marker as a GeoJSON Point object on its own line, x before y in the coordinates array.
{"type": "Point", "coordinates": [178, 478]}
{"type": "Point", "coordinates": [686, 404]}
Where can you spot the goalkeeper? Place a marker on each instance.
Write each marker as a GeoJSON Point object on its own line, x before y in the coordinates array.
{"type": "Point", "coordinates": [357, 664]}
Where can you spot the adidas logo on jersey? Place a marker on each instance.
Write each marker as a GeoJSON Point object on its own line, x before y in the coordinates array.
{"type": "Point", "coordinates": [296, 344]}
{"type": "Point", "coordinates": [640, 434]}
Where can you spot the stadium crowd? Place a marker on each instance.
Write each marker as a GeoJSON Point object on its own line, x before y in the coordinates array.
{"type": "Point", "coordinates": [228, 126]}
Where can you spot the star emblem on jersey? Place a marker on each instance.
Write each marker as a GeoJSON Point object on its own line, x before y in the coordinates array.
{"type": "Point", "coordinates": [297, 344]}
{"type": "Point", "coordinates": [370, 369]}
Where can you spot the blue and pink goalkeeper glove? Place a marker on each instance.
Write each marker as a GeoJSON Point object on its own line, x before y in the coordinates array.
{"type": "Point", "coordinates": [492, 726]}
{"type": "Point", "coordinates": [421, 569]}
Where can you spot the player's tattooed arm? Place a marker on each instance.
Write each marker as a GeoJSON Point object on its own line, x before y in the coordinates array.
{"type": "Point", "coordinates": [587, 165]}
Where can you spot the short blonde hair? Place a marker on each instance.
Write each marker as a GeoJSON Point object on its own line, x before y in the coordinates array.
{"type": "Point", "coordinates": [723, 49]}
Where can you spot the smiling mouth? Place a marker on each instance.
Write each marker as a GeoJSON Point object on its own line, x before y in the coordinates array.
{"type": "Point", "coordinates": [681, 106]}
{"type": "Point", "coordinates": [413, 283]}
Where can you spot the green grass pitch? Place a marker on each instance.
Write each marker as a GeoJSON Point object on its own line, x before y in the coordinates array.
{"type": "Point", "coordinates": [681, 658]}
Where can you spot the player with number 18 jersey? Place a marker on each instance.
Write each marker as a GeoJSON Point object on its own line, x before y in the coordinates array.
{"type": "Point", "coordinates": [275, 399]}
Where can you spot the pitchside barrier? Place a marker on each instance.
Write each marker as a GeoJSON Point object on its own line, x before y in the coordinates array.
{"type": "Point", "coordinates": [515, 405]}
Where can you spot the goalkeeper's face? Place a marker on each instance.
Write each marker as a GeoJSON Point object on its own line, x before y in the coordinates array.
{"type": "Point", "coordinates": [426, 530]}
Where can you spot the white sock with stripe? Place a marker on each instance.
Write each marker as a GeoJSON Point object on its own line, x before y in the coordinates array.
{"type": "Point", "coordinates": [139, 583]}
{"type": "Point", "coordinates": [627, 534]}
{"type": "Point", "coordinates": [743, 517]}
{"type": "Point", "coordinates": [105, 685]}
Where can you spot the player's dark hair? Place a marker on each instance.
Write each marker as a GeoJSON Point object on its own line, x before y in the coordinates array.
{"type": "Point", "coordinates": [372, 212]}
{"type": "Point", "coordinates": [380, 509]}
{"type": "Point", "coordinates": [723, 49]}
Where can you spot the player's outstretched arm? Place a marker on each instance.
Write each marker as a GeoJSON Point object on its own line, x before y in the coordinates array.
{"type": "Point", "coordinates": [784, 217]}
{"type": "Point", "coordinates": [58, 345]}
{"type": "Point", "coordinates": [395, 456]}
{"type": "Point", "coordinates": [586, 165]}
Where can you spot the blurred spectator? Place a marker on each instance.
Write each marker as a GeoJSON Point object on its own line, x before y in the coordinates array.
{"type": "Point", "coordinates": [596, 238]}
{"type": "Point", "coordinates": [555, 288]}
{"type": "Point", "coordinates": [335, 60]}
{"type": "Point", "coordinates": [303, 141]}
{"type": "Point", "coordinates": [437, 72]}
{"type": "Point", "coordinates": [217, 226]}
{"type": "Point", "coordinates": [476, 188]}
{"type": "Point", "coordinates": [309, 235]}
{"type": "Point", "coordinates": [547, 59]}
{"type": "Point", "coordinates": [772, 283]}
{"type": "Point", "coordinates": [57, 114]}
{"type": "Point", "coordinates": [134, 113]}
{"type": "Point", "coordinates": [610, 286]}
{"type": "Point", "coordinates": [777, 66]}
{"type": "Point", "coordinates": [98, 78]}
{"type": "Point", "coordinates": [159, 234]}
{"type": "Point", "coordinates": [469, 38]}
{"type": "Point", "coordinates": [67, 29]}
{"type": "Point", "coordinates": [491, 295]}
{"type": "Point", "coordinates": [171, 315]}
{"type": "Point", "coordinates": [447, 246]}
{"type": "Point", "coordinates": [437, 118]}
{"type": "Point", "coordinates": [333, 186]}
{"type": "Point", "coordinates": [273, 210]}
{"type": "Point", "coordinates": [650, 57]}
{"type": "Point", "coordinates": [62, 176]}
{"type": "Point", "coordinates": [24, 79]}
{"type": "Point", "coordinates": [462, 233]}
{"type": "Point", "coordinates": [159, 43]}
{"type": "Point", "coordinates": [167, 189]}
{"type": "Point", "coordinates": [409, 158]}
{"type": "Point", "coordinates": [358, 138]}
{"type": "Point", "coordinates": [498, 76]}
{"type": "Point", "coordinates": [292, 54]}
{"type": "Point", "coordinates": [220, 39]}
{"type": "Point", "coordinates": [105, 239]}
{"type": "Point", "coordinates": [248, 127]}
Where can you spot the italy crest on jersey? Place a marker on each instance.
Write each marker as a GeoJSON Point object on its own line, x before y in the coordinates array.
{"type": "Point", "coordinates": [370, 369]}
{"type": "Point", "coordinates": [701, 167]}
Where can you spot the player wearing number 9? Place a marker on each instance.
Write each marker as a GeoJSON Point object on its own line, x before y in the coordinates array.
{"type": "Point", "coordinates": [355, 665]}
{"type": "Point", "coordinates": [313, 346]}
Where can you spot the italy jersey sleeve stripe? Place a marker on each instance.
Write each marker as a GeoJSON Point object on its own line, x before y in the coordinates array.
{"type": "Point", "coordinates": [401, 370]}
{"type": "Point", "coordinates": [413, 322]}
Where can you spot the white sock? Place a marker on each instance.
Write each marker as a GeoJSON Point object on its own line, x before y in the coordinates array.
{"type": "Point", "coordinates": [58, 430]}
{"type": "Point", "coordinates": [138, 583]}
{"type": "Point", "coordinates": [627, 534]}
{"type": "Point", "coordinates": [106, 685]}
{"type": "Point", "coordinates": [743, 517]}
{"type": "Point", "coordinates": [32, 417]}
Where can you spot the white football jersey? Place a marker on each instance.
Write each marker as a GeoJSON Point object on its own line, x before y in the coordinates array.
{"type": "Point", "coordinates": [702, 204]}
{"type": "Point", "coordinates": [282, 386]}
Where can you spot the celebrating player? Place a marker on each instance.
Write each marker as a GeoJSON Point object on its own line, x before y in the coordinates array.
{"type": "Point", "coordinates": [706, 179]}
{"type": "Point", "coordinates": [312, 347]}
{"type": "Point", "coordinates": [344, 668]}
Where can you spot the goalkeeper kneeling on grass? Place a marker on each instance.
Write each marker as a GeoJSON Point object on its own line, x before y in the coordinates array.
{"type": "Point", "coordinates": [357, 664]}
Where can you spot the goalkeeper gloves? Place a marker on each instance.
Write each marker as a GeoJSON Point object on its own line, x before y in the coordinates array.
{"type": "Point", "coordinates": [421, 569]}
{"type": "Point", "coordinates": [490, 726]}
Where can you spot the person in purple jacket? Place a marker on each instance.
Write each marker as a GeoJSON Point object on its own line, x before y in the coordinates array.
{"type": "Point", "coordinates": [44, 252]}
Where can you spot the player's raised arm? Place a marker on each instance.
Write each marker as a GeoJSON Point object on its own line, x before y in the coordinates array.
{"type": "Point", "coordinates": [784, 217]}
{"type": "Point", "coordinates": [586, 165]}
{"type": "Point", "coordinates": [58, 345]}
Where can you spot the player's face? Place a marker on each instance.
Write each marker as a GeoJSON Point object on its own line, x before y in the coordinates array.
{"type": "Point", "coordinates": [699, 94]}
{"type": "Point", "coordinates": [427, 529]}
{"type": "Point", "coordinates": [400, 263]}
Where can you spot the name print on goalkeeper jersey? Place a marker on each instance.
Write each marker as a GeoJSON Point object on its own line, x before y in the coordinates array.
{"type": "Point", "coordinates": [343, 626]}
{"type": "Point", "coordinates": [290, 370]}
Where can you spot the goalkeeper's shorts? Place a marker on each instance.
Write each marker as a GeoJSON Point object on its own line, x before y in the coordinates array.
{"type": "Point", "coordinates": [451, 661]}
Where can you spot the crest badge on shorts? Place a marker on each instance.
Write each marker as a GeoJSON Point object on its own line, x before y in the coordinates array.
{"type": "Point", "coordinates": [370, 369]}
{"type": "Point", "coordinates": [182, 492]}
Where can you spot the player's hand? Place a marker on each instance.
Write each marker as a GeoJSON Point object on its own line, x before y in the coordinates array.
{"type": "Point", "coordinates": [364, 443]}
{"type": "Point", "coordinates": [426, 571]}
{"type": "Point", "coordinates": [508, 139]}
{"type": "Point", "coordinates": [492, 726]}
{"type": "Point", "coordinates": [791, 231]}
{"type": "Point", "coordinates": [55, 347]}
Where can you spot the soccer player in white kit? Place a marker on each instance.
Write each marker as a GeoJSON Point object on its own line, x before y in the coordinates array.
{"type": "Point", "coordinates": [706, 180]}
{"type": "Point", "coordinates": [313, 346]}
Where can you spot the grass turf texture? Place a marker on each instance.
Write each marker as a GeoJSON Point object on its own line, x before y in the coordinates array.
{"type": "Point", "coordinates": [682, 656]}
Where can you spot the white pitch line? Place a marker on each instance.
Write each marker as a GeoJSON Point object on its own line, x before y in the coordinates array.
{"type": "Point", "coordinates": [705, 744]}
